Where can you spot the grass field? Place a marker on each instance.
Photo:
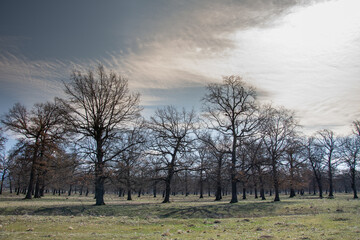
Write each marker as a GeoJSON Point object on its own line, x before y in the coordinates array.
{"type": "Point", "coordinates": [76, 217]}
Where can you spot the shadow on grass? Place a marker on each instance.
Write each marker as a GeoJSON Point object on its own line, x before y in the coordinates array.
{"type": "Point", "coordinates": [157, 210]}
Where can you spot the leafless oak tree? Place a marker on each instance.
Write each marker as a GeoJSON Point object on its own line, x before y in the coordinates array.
{"type": "Point", "coordinates": [278, 129]}
{"type": "Point", "coordinates": [231, 110]}
{"type": "Point", "coordinates": [314, 154]}
{"type": "Point", "coordinates": [39, 129]}
{"type": "Point", "coordinates": [350, 155]}
{"type": "Point", "coordinates": [171, 139]}
{"type": "Point", "coordinates": [99, 105]}
{"type": "Point", "coordinates": [328, 142]}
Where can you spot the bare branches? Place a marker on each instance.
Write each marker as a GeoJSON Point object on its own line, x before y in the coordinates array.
{"type": "Point", "coordinates": [231, 110]}
{"type": "Point", "coordinates": [171, 134]}
{"type": "Point", "coordinates": [99, 107]}
{"type": "Point", "coordinates": [230, 105]}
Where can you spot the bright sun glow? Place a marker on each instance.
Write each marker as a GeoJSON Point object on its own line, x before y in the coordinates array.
{"type": "Point", "coordinates": [312, 52]}
{"type": "Point", "coordinates": [323, 26]}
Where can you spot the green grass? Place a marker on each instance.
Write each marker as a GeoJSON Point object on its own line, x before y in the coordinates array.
{"type": "Point", "coordinates": [76, 217]}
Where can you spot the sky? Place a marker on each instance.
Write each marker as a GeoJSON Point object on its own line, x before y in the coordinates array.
{"type": "Point", "coordinates": [303, 55]}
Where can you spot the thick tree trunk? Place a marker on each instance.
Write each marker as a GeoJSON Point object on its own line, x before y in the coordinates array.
{"type": "Point", "coordinates": [99, 191]}
{"type": "Point", "coordinates": [128, 186]}
{"type": "Point", "coordinates": [99, 173]}
{"type": "Point", "coordinates": [292, 193]}
{"type": "Point", "coordinates": [331, 186]}
{"type": "Point", "coordinates": [234, 198]}
{"type": "Point", "coordinates": [167, 189]}
{"type": "Point", "coordinates": [320, 188]}
{"type": "Point", "coordinates": [32, 175]}
{"type": "Point", "coordinates": [244, 193]}
{"type": "Point", "coordinates": [276, 181]}
{"type": "Point", "coordinates": [218, 196]}
{"type": "Point", "coordinates": [292, 190]}
{"type": "Point", "coordinates": [168, 178]}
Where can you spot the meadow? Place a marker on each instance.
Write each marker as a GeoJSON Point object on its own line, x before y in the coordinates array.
{"type": "Point", "coordinates": [76, 217]}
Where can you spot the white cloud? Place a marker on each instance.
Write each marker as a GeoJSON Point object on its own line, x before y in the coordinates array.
{"type": "Point", "coordinates": [303, 56]}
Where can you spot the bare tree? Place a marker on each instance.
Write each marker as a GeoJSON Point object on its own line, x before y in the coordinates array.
{"type": "Point", "coordinates": [327, 141]}
{"type": "Point", "coordinates": [294, 160]}
{"type": "Point", "coordinates": [314, 155]}
{"type": "Point", "coordinates": [171, 138]}
{"type": "Point", "coordinates": [128, 162]}
{"type": "Point", "coordinates": [278, 129]}
{"type": "Point", "coordinates": [99, 105]}
{"type": "Point", "coordinates": [202, 156]}
{"type": "Point", "coordinates": [255, 151]}
{"type": "Point", "coordinates": [231, 110]}
{"type": "Point", "coordinates": [38, 128]}
{"type": "Point", "coordinates": [350, 155]}
{"type": "Point", "coordinates": [217, 149]}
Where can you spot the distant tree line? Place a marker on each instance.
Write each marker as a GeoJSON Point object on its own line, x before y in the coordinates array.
{"type": "Point", "coordinates": [95, 141]}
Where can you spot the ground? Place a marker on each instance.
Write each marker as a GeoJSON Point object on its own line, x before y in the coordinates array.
{"type": "Point", "coordinates": [76, 217]}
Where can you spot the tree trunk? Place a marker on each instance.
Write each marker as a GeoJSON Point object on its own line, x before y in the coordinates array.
{"type": "Point", "coordinates": [262, 191]}
{"type": "Point", "coordinates": [331, 186]}
{"type": "Point", "coordinates": [128, 186]}
{"type": "Point", "coordinates": [244, 193]}
{"type": "Point", "coordinates": [276, 180]}
{"type": "Point", "coordinates": [70, 189]}
{"type": "Point", "coordinates": [201, 185]}
{"type": "Point", "coordinates": [168, 179]}
{"type": "Point", "coordinates": [234, 198]}
{"type": "Point", "coordinates": [292, 190]}
{"type": "Point", "coordinates": [99, 173]}
{"type": "Point", "coordinates": [209, 188]}
{"type": "Point", "coordinates": [218, 192]}
{"type": "Point", "coordinates": [353, 182]}
{"type": "Point", "coordinates": [167, 189]}
{"type": "Point", "coordinates": [32, 175]}
{"type": "Point", "coordinates": [320, 188]}
{"type": "Point", "coordinates": [99, 190]}
{"type": "Point", "coordinates": [154, 189]}
{"type": "Point", "coordinates": [292, 193]}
